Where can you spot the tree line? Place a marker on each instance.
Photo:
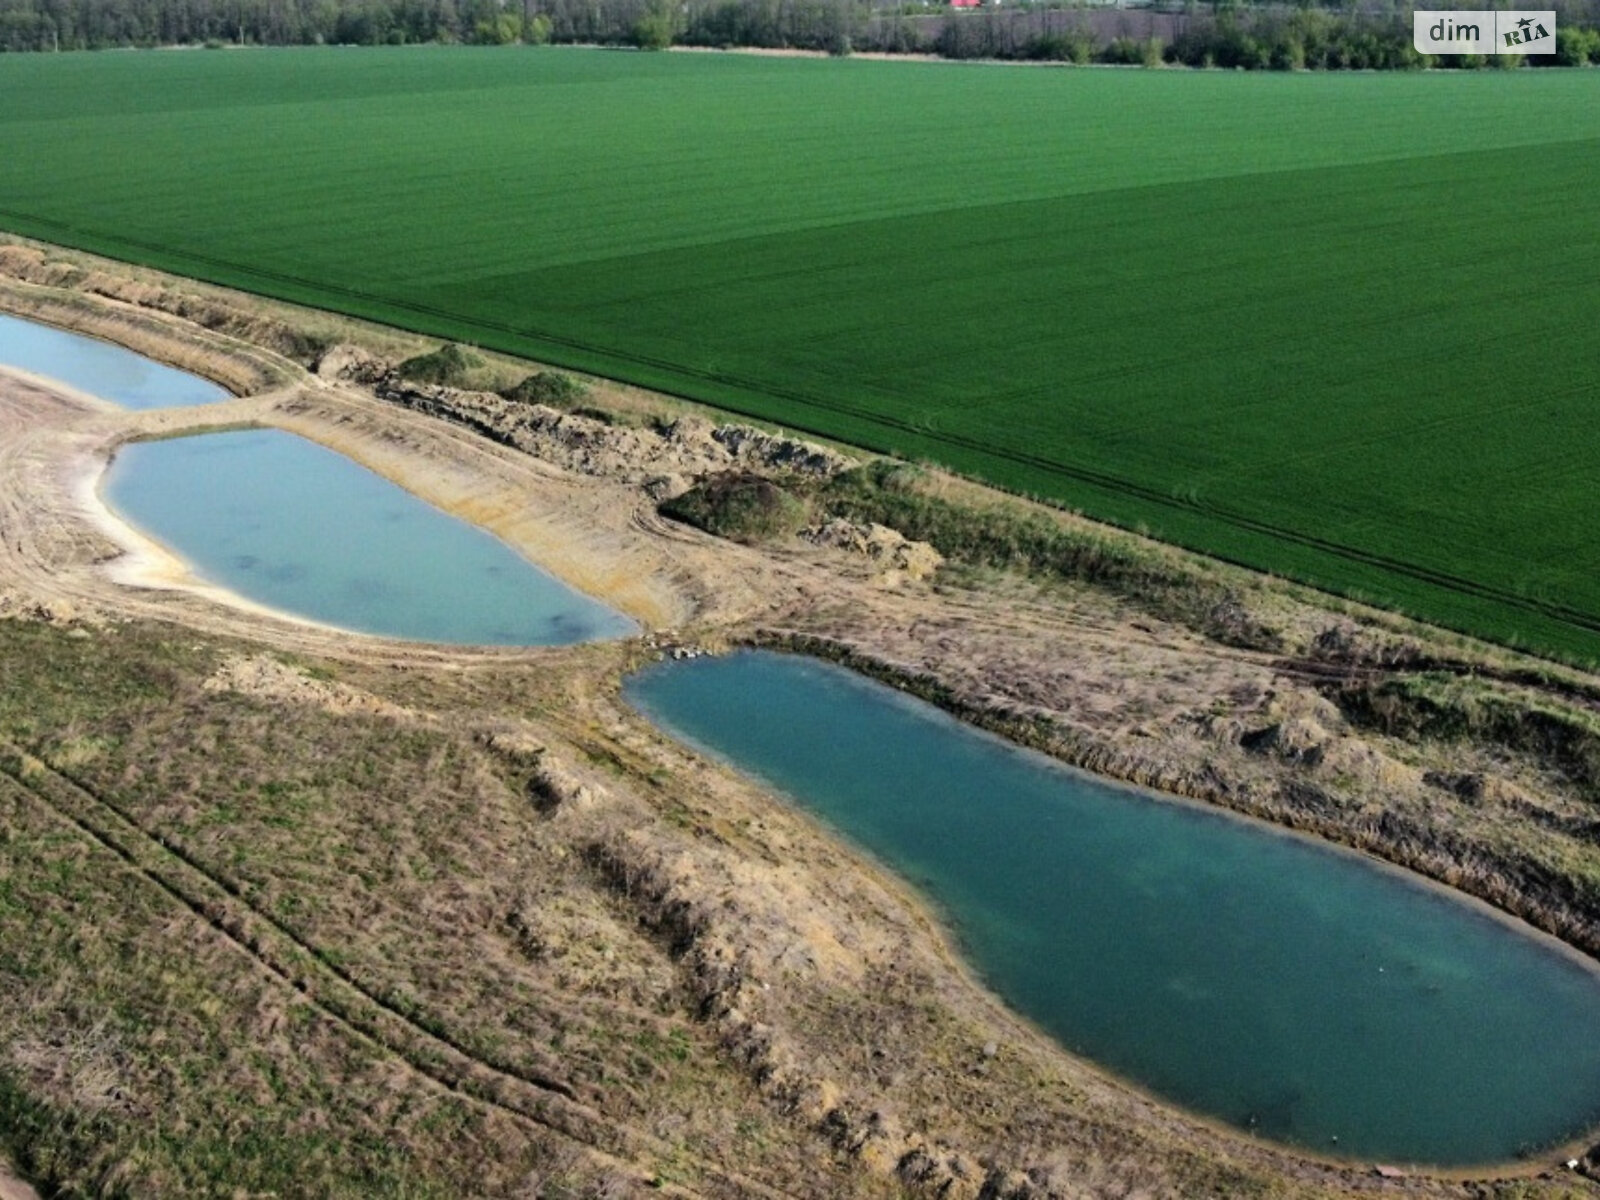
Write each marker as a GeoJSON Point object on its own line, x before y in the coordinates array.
{"type": "Point", "coordinates": [1220, 33]}
{"type": "Point", "coordinates": [1236, 36]}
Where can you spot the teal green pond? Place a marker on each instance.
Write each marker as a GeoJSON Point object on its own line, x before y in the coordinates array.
{"type": "Point", "coordinates": [294, 526]}
{"type": "Point", "coordinates": [126, 379]}
{"type": "Point", "coordinates": [1283, 986]}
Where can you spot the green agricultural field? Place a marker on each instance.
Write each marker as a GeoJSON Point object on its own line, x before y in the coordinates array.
{"type": "Point", "coordinates": [1340, 327]}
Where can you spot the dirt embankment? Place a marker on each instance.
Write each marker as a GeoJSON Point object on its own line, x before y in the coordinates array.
{"type": "Point", "coordinates": [823, 981]}
{"type": "Point", "coordinates": [662, 456]}
{"type": "Point", "coordinates": [241, 350]}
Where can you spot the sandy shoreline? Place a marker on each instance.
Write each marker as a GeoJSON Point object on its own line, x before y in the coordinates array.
{"type": "Point", "coordinates": [145, 562]}
{"type": "Point", "coordinates": [87, 399]}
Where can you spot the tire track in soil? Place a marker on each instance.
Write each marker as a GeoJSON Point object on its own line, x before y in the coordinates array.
{"type": "Point", "coordinates": [441, 1060]}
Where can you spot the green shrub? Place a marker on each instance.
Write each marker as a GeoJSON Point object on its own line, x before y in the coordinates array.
{"type": "Point", "coordinates": [1134, 52]}
{"type": "Point", "coordinates": [656, 27]}
{"type": "Point", "coordinates": [449, 365]}
{"type": "Point", "coordinates": [740, 506]}
{"type": "Point", "coordinates": [499, 30]}
{"type": "Point", "coordinates": [552, 388]}
{"type": "Point", "coordinates": [1576, 47]}
{"type": "Point", "coordinates": [1123, 51]}
{"type": "Point", "coordinates": [1072, 47]}
{"type": "Point", "coordinates": [1289, 55]}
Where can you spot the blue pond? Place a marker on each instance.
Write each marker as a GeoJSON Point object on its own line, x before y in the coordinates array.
{"type": "Point", "coordinates": [297, 527]}
{"type": "Point", "coordinates": [124, 378]}
{"type": "Point", "coordinates": [1280, 985]}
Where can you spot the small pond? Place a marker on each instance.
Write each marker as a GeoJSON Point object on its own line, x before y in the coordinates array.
{"type": "Point", "coordinates": [110, 372]}
{"type": "Point", "coordinates": [1283, 986]}
{"type": "Point", "coordinates": [292, 525]}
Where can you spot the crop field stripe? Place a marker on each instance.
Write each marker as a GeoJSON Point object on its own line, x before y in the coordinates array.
{"type": "Point", "coordinates": [1328, 327]}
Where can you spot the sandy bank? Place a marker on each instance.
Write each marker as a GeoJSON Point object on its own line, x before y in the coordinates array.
{"type": "Point", "coordinates": [85, 399]}
{"type": "Point", "coordinates": [147, 563]}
